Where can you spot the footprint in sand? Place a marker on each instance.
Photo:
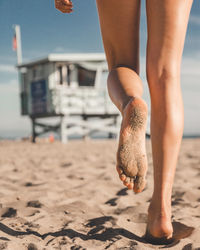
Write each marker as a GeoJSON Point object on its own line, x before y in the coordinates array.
{"type": "Point", "coordinates": [8, 212]}
{"type": "Point", "coordinates": [66, 165]}
{"type": "Point", "coordinates": [100, 221]}
{"type": "Point", "coordinates": [76, 247]}
{"type": "Point", "coordinates": [36, 204]}
{"type": "Point", "coordinates": [30, 225]}
{"type": "Point", "coordinates": [4, 238]}
{"type": "Point", "coordinates": [3, 245]}
{"type": "Point", "coordinates": [122, 192]}
{"type": "Point", "coordinates": [32, 246]}
{"type": "Point", "coordinates": [30, 184]}
{"type": "Point", "coordinates": [177, 198]}
{"type": "Point", "coordinates": [112, 202]}
{"type": "Point", "coordinates": [130, 247]}
{"type": "Point", "coordinates": [177, 201]}
{"type": "Point", "coordinates": [178, 194]}
{"type": "Point", "coordinates": [132, 214]}
{"type": "Point", "coordinates": [30, 212]}
{"type": "Point", "coordinates": [187, 247]}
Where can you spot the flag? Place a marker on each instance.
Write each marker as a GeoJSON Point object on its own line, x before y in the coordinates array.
{"type": "Point", "coordinates": [14, 43]}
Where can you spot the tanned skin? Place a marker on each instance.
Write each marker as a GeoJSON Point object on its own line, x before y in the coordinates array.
{"type": "Point", "coordinates": [167, 22]}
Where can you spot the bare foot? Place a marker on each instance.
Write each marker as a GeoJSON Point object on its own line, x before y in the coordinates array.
{"type": "Point", "coordinates": [131, 155]}
{"type": "Point", "coordinates": [159, 226]}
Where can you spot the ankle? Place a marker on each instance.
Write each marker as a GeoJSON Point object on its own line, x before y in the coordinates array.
{"type": "Point", "coordinates": [159, 221]}
{"type": "Point", "coordinates": [160, 208]}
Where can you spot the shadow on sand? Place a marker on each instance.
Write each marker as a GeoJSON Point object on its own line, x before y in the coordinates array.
{"type": "Point", "coordinates": [99, 232]}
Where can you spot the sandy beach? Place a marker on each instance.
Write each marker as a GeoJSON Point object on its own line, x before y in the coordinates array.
{"type": "Point", "coordinates": [55, 196]}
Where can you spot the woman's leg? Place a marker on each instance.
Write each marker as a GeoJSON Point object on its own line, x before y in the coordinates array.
{"type": "Point", "coordinates": [119, 22]}
{"type": "Point", "coordinates": [167, 23]}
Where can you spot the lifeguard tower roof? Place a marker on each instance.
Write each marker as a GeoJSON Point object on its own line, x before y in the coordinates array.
{"type": "Point", "coordinates": [70, 57]}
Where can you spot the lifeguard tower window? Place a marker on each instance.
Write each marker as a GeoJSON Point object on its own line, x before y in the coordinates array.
{"type": "Point", "coordinates": [68, 75]}
{"type": "Point", "coordinates": [86, 77]}
{"type": "Point", "coordinates": [60, 75]}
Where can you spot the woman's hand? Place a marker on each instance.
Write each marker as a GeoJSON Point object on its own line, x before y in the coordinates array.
{"type": "Point", "coordinates": [65, 6]}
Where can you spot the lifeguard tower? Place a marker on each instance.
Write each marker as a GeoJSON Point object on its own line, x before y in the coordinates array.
{"type": "Point", "coordinates": [71, 87]}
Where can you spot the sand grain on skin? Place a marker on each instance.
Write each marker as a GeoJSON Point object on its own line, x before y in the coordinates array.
{"type": "Point", "coordinates": [131, 155]}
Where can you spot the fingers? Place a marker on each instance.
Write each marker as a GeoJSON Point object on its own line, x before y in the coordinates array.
{"type": "Point", "coordinates": [65, 6]}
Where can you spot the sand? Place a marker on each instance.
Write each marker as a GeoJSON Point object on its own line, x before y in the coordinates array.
{"type": "Point", "coordinates": [55, 196]}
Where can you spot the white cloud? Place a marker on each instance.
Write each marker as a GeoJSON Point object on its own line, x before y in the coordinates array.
{"type": "Point", "coordinates": [195, 19]}
{"type": "Point", "coordinates": [7, 68]}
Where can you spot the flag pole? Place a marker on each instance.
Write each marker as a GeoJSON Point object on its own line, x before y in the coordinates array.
{"type": "Point", "coordinates": [19, 59]}
{"type": "Point", "coordinates": [19, 46]}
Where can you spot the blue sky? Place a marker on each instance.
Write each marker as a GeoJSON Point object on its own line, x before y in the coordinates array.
{"type": "Point", "coordinates": [46, 30]}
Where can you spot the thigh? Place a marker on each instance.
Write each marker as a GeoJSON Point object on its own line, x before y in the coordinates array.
{"type": "Point", "coordinates": [119, 23]}
{"type": "Point", "coordinates": [167, 24]}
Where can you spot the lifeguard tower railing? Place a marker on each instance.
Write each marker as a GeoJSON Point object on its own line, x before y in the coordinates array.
{"type": "Point", "coordinates": [85, 112]}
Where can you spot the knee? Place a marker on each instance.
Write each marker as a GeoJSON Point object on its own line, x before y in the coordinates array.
{"type": "Point", "coordinates": [162, 76]}
{"type": "Point", "coordinates": [121, 59]}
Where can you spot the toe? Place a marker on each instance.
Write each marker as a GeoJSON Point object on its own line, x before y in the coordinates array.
{"type": "Point", "coordinates": [119, 170]}
{"type": "Point", "coordinates": [122, 177]}
{"type": "Point", "coordinates": [127, 181]}
{"type": "Point", "coordinates": [130, 185]}
{"type": "Point", "coordinates": [139, 184]}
